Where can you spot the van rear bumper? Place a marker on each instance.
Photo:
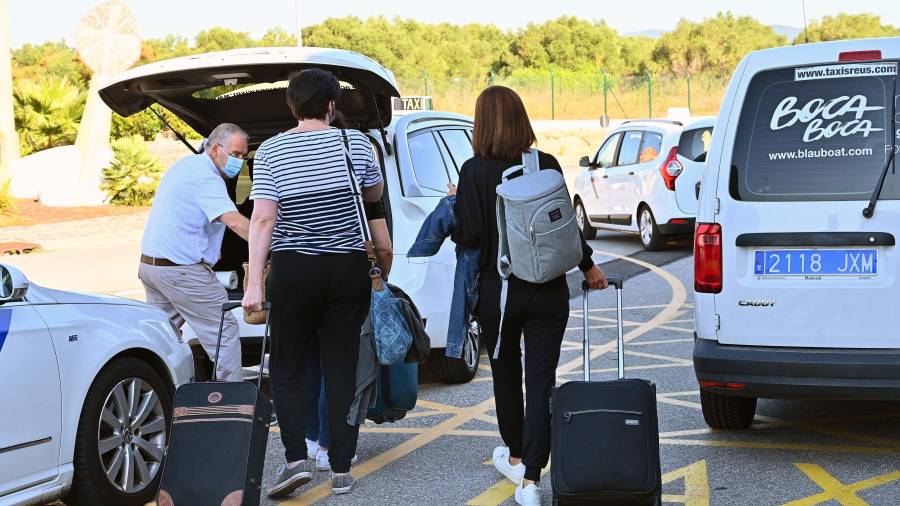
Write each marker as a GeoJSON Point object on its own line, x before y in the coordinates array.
{"type": "Point", "coordinates": [807, 373]}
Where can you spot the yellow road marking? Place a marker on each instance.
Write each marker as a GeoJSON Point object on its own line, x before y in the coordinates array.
{"type": "Point", "coordinates": [696, 484]}
{"type": "Point", "coordinates": [377, 462]}
{"type": "Point", "coordinates": [499, 492]}
{"type": "Point", "coordinates": [833, 489]}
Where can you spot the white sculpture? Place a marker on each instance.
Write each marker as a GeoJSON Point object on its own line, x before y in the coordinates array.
{"type": "Point", "coordinates": [107, 41]}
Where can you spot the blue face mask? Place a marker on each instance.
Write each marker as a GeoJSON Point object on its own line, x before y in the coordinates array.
{"type": "Point", "coordinates": [232, 166]}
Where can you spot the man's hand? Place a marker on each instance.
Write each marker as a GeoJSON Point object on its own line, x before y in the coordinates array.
{"type": "Point", "coordinates": [253, 298]}
{"type": "Point", "coordinates": [596, 279]}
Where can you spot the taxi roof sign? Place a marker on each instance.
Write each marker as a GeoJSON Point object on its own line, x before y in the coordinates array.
{"type": "Point", "coordinates": [412, 103]}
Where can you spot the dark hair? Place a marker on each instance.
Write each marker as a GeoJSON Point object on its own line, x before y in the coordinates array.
{"type": "Point", "coordinates": [502, 128]}
{"type": "Point", "coordinates": [310, 92]}
{"type": "Point", "coordinates": [338, 121]}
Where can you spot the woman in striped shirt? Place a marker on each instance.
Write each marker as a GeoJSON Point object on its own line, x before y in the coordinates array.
{"type": "Point", "coordinates": [305, 215]}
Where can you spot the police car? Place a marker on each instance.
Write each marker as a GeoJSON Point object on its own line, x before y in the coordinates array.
{"type": "Point", "coordinates": [796, 265]}
{"type": "Point", "coordinates": [87, 387]}
{"type": "Point", "coordinates": [420, 152]}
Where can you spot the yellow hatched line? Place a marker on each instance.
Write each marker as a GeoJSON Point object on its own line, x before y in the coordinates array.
{"type": "Point", "coordinates": [833, 489]}
{"type": "Point", "coordinates": [377, 462]}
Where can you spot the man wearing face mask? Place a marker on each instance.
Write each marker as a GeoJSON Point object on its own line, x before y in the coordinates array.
{"type": "Point", "coordinates": [183, 239]}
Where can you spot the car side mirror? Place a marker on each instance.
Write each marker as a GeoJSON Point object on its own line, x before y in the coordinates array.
{"type": "Point", "coordinates": [586, 162]}
{"type": "Point", "coordinates": [13, 284]}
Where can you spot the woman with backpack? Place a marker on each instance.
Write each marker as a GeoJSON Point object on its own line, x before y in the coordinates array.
{"type": "Point", "coordinates": [502, 135]}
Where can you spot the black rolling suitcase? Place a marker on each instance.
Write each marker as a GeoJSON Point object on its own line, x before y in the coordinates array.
{"type": "Point", "coordinates": [605, 435]}
{"type": "Point", "coordinates": [217, 444]}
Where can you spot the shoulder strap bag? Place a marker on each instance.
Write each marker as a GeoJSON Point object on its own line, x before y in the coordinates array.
{"type": "Point", "coordinates": [392, 334]}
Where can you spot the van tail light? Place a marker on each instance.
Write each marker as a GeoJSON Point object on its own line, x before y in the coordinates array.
{"type": "Point", "coordinates": [671, 169]}
{"type": "Point", "coordinates": [860, 55]}
{"type": "Point", "coordinates": [708, 258]}
{"type": "Point", "coordinates": [721, 384]}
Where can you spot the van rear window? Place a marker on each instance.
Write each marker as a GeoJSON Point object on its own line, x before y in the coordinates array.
{"type": "Point", "coordinates": [815, 133]}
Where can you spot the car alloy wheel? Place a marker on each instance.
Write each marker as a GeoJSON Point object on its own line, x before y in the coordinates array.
{"type": "Point", "coordinates": [646, 226]}
{"type": "Point", "coordinates": [131, 435]}
{"type": "Point", "coordinates": [579, 215]}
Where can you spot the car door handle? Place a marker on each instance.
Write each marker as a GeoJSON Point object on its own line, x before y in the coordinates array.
{"type": "Point", "coordinates": [631, 173]}
{"type": "Point", "coordinates": [605, 177]}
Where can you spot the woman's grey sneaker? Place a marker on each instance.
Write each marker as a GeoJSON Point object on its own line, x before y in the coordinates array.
{"type": "Point", "coordinates": [290, 479]}
{"type": "Point", "coordinates": [341, 483]}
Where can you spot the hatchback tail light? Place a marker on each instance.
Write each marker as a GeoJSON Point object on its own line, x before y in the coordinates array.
{"type": "Point", "coordinates": [708, 258]}
{"type": "Point", "coordinates": [671, 169]}
{"type": "Point", "coordinates": [721, 384]}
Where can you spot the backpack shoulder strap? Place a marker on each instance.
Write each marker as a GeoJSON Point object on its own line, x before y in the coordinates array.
{"type": "Point", "coordinates": [531, 161]}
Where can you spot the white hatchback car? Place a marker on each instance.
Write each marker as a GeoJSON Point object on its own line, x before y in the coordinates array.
{"type": "Point", "coordinates": [644, 179]}
{"type": "Point", "coordinates": [796, 273]}
{"type": "Point", "coordinates": [87, 387]}
{"type": "Point", "coordinates": [420, 153]}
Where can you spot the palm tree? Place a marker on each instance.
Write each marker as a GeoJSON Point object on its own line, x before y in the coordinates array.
{"type": "Point", "coordinates": [47, 112]}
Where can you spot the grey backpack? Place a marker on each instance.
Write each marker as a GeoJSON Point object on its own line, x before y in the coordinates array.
{"type": "Point", "coordinates": [539, 236]}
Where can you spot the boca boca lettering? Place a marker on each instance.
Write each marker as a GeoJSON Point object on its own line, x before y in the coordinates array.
{"type": "Point", "coordinates": [818, 110]}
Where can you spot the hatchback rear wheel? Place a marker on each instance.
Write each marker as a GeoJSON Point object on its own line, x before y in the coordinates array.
{"type": "Point", "coordinates": [727, 412]}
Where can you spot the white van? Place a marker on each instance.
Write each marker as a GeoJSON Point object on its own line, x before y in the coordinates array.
{"type": "Point", "coordinates": [420, 153]}
{"type": "Point", "coordinates": [796, 285]}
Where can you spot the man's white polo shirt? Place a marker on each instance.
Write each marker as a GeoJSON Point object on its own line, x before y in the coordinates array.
{"type": "Point", "coordinates": [184, 226]}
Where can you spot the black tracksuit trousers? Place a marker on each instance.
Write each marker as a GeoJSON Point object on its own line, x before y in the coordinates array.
{"type": "Point", "coordinates": [541, 312]}
{"type": "Point", "coordinates": [328, 295]}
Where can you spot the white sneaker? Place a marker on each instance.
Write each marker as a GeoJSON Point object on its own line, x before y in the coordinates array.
{"type": "Point", "coordinates": [312, 448]}
{"type": "Point", "coordinates": [322, 463]}
{"type": "Point", "coordinates": [515, 473]}
{"type": "Point", "coordinates": [528, 496]}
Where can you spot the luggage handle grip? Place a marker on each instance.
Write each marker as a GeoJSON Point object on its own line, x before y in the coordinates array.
{"type": "Point", "coordinates": [620, 338]}
{"type": "Point", "coordinates": [226, 307]}
{"type": "Point", "coordinates": [616, 282]}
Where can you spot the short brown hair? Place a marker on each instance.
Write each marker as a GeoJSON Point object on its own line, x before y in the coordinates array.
{"type": "Point", "coordinates": [502, 128]}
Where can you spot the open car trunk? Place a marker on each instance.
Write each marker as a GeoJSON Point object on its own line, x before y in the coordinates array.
{"type": "Point", "coordinates": [247, 87]}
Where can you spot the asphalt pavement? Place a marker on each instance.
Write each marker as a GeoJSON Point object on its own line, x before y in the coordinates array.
{"type": "Point", "coordinates": [797, 453]}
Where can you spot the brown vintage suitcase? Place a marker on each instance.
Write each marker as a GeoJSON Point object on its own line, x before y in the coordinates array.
{"type": "Point", "coordinates": [217, 446]}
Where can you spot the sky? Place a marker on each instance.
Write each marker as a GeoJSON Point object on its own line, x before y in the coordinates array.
{"type": "Point", "coordinates": [36, 21]}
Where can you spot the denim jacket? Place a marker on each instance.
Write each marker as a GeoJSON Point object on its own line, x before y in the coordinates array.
{"type": "Point", "coordinates": [435, 230]}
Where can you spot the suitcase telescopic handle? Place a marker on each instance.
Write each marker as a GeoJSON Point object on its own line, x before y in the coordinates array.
{"type": "Point", "coordinates": [226, 307]}
{"type": "Point", "coordinates": [620, 338]}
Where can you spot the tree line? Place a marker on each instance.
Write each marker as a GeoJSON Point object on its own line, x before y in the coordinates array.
{"type": "Point", "coordinates": [51, 81]}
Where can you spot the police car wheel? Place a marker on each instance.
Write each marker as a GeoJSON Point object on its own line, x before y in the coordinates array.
{"type": "Point", "coordinates": [122, 436]}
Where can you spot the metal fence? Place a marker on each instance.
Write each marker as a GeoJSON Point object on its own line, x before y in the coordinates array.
{"type": "Point", "coordinates": [569, 95]}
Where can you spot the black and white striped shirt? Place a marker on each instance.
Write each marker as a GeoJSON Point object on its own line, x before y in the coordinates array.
{"type": "Point", "coordinates": [306, 174]}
